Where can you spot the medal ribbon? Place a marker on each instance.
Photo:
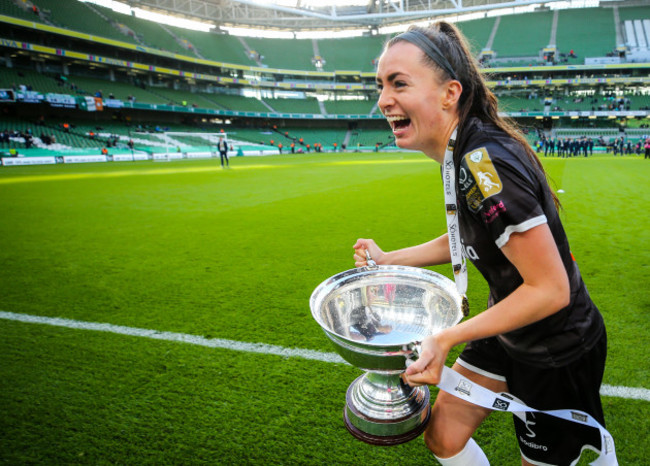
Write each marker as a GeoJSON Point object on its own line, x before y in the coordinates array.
{"type": "Point", "coordinates": [458, 261]}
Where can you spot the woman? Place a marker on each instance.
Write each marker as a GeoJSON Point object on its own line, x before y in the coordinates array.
{"type": "Point", "coordinates": [541, 337]}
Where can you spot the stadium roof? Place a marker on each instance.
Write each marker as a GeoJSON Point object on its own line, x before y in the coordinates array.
{"type": "Point", "coordinates": [297, 15]}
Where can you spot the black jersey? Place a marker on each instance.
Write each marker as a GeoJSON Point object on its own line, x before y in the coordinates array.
{"type": "Point", "coordinates": [501, 192]}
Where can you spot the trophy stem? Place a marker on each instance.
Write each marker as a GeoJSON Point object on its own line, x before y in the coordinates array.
{"type": "Point", "coordinates": [382, 410]}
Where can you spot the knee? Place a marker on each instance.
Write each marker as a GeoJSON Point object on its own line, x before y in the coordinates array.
{"type": "Point", "coordinates": [443, 443]}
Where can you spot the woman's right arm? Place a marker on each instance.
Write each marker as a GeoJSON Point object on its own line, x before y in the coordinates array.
{"type": "Point", "coordinates": [433, 252]}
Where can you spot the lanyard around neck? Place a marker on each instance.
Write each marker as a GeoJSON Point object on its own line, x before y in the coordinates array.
{"type": "Point", "coordinates": [457, 259]}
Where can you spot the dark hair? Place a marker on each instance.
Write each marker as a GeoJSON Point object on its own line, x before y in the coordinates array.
{"type": "Point", "coordinates": [476, 100]}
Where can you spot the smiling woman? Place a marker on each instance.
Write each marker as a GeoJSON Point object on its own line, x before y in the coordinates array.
{"type": "Point", "coordinates": [414, 102]}
{"type": "Point", "coordinates": [541, 337]}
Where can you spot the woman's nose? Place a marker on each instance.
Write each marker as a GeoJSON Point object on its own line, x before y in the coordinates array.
{"type": "Point", "coordinates": [385, 100]}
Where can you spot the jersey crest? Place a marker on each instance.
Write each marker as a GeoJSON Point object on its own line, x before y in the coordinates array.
{"type": "Point", "coordinates": [478, 178]}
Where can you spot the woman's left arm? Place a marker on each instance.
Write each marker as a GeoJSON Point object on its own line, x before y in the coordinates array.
{"type": "Point", "coordinates": [544, 291]}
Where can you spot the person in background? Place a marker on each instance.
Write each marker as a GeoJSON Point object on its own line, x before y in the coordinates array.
{"type": "Point", "coordinates": [222, 146]}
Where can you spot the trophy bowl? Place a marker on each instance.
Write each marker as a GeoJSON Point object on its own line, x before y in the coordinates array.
{"type": "Point", "coordinates": [375, 317]}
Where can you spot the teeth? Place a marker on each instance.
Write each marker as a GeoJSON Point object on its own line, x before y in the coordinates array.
{"type": "Point", "coordinates": [391, 118]}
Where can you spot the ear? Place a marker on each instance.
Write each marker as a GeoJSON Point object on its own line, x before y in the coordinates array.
{"type": "Point", "coordinates": [453, 90]}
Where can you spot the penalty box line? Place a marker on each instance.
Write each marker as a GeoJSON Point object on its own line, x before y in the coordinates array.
{"type": "Point", "coordinates": [628, 393]}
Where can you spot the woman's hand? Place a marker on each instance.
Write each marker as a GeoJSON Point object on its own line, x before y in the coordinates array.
{"type": "Point", "coordinates": [360, 248]}
{"type": "Point", "coordinates": [428, 367]}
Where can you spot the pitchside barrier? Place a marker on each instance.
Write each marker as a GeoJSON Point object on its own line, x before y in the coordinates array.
{"type": "Point", "coordinates": [24, 157]}
{"type": "Point", "coordinates": [37, 156]}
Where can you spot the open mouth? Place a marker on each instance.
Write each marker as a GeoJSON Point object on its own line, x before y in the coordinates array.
{"type": "Point", "coordinates": [398, 123]}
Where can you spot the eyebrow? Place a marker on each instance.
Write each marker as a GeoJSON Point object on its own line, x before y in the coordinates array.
{"type": "Point", "coordinates": [391, 77]}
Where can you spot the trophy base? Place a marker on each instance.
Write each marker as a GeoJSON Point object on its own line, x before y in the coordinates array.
{"type": "Point", "coordinates": [382, 410]}
{"type": "Point", "coordinates": [386, 440]}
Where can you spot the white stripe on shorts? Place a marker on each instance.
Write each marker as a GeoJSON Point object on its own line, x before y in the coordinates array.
{"type": "Point", "coordinates": [480, 371]}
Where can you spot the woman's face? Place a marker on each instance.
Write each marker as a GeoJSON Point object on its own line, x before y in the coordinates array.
{"type": "Point", "coordinates": [414, 101]}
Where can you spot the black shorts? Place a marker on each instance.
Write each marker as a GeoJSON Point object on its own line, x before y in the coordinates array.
{"type": "Point", "coordinates": [544, 439]}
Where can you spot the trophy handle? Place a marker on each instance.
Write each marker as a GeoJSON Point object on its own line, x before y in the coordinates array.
{"type": "Point", "coordinates": [371, 263]}
{"type": "Point", "coordinates": [412, 350]}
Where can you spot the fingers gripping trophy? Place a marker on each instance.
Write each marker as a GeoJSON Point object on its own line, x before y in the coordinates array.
{"type": "Point", "coordinates": [376, 316]}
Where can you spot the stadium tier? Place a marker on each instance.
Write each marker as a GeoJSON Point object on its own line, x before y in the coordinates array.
{"type": "Point", "coordinates": [146, 33]}
{"type": "Point", "coordinates": [478, 32]}
{"type": "Point", "coordinates": [574, 33]}
{"type": "Point", "coordinates": [565, 30]}
{"type": "Point", "coordinates": [131, 73]}
{"type": "Point", "coordinates": [358, 54]}
{"type": "Point", "coordinates": [529, 40]}
{"type": "Point", "coordinates": [219, 47]}
{"type": "Point", "coordinates": [82, 17]}
{"type": "Point", "coordinates": [286, 54]}
{"type": "Point", "coordinates": [306, 106]}
{"type": "Point", "coordinates": [342, 107]}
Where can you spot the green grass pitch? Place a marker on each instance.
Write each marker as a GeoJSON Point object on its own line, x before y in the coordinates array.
{"type": "Point", "coordinates": [188, 247]}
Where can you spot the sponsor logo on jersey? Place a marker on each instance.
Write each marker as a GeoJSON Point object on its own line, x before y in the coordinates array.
{"type": "Point", "coordinates": [478, 178]}
{"type": "Point", "coordinates": [493, 212]}
{"type": "Point", "coordinates": [469, 252]}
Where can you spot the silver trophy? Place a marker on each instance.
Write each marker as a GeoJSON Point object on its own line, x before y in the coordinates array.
{"type": "Point", "coordinates": [376, 316]}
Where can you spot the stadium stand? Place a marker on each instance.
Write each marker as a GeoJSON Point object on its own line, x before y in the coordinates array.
{"type": "Point", "coordinates": [352, 107]}
{"type": "Point", "coordinates": [119, 90]}
{"type": "Point", "coordinates": [241, 103]}
{"type": "Point", "coordinates": [358, 53]}
{"type": "Point", "coordinates": [146, 88]}
{"type": "Point", "coordinates": [145, 32]}
{"type": "Point", "coordinates": [77, 16]}
{"type": "Point", "coordinates": [309, 106]}
{"type": "Point", "coordinates": [10, 8]}
{"type": "Point", "coordinates": [478, 32]}
{"type": "Point", "coordinates": [289, 54]}
{"type": "Point", "coordinates": [215, 46]}
{"type": "Point", "coordinates": [519, 103]}
{"type": "Point", "coordinates": [530, 40]}
{"type": "Point", "coordinates": [12, 77]}
{"type": "Point", "coordinates": [573, 33]}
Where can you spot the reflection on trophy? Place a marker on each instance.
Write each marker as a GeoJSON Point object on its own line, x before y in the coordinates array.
{"type": "Point", "coordinates": [376, 316]}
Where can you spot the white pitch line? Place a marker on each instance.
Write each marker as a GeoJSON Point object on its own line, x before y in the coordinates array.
{"type": "Point", "coordinates": [177, 337]}
{"type": "Point", "coordinates": [629, 393]}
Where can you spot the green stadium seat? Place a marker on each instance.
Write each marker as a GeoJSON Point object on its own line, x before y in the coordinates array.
{"type": "Point", "coordinates": [477, 32]}
{"type": "Point", "coordinates": [574, 33]}
{"type": "Point", "coordinates": [350, 107]}
{"type": "Point", "coordinates": [351, 54]}
{"type": "Point", "coordinates": [532, 32]}
{"type": "Point", "coordinates": [77, 16]}
{"type": "Point", "coordinates": [294, 105]}
{"type": "Point", "coordinates": [148, 33]}
{"type": "Point", "coordinates": [9, 8]}
{"type": "Point", "coordinates": [283, 53]}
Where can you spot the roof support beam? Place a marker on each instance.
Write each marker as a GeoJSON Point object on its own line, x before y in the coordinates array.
{"type": "Point", "coordinates": [252, 12]}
